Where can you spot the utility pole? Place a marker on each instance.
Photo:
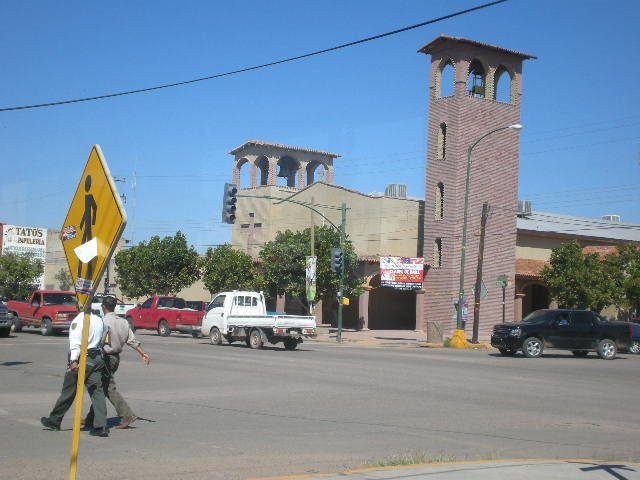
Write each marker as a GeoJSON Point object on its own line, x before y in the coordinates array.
{"type": "Point", "coordinates": [313, 245]}
{"type": "Point", "coordinates": [343, 226]}
{"type": "Point", "coordinates": [478, 287]}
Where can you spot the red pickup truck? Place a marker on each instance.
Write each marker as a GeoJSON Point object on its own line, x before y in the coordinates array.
{"type": "Point", "coordinates": [48, 310]}
{"type": "Point", "coordinates": [165, 314]}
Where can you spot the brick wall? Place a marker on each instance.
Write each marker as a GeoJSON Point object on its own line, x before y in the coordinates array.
{"type": "Point", "coordinates": [494, 179]}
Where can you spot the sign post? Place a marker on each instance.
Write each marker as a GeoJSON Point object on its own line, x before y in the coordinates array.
{"type": "Point", "coordinates": [89, 235]}
{"type": "Point", "coordinates": [502, 282]}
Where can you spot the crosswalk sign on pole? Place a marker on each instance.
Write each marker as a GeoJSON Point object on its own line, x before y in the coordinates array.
{"type": "Point", "coordinates": [93, 226]}
{"type": "Point", "coordinates": [89, 235]}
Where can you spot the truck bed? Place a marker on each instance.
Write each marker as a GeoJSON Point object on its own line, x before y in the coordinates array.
{"type": "Point", "coordinates": [272, 321]}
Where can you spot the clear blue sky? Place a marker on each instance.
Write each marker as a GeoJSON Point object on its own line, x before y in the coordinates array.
{"type": "Point", "coordinates": [580, 142]}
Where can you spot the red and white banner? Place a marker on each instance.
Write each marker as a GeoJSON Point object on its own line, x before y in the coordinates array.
{"type": "Point", "coordinates": [402, 273]}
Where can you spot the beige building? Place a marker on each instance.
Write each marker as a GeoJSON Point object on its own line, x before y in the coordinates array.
{"type": "Point", "coordinates": [376, 224]}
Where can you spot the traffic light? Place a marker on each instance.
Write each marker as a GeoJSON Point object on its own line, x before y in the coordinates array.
{"type": "Point", "coordinates": [336, 259]}
{"type": "Point", "coordinates": [229, 203]}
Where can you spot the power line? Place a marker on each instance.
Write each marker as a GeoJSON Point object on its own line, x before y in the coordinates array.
{"type": "Point", "coordinates": [255, 67]}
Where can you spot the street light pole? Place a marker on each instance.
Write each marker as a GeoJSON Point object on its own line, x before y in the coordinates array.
{"type": "Point", "coordinates": [463, 248]}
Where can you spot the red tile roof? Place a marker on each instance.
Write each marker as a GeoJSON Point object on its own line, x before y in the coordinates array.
{"type": "Point", "coordinates": [442, 39]}
{"type": "Point", "coordinates": [260, 143]}
{"type": "Point", "coordinates": [528, 268]}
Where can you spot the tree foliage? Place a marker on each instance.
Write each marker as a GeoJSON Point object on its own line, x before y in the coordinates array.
{"type": "Point", "coordinates": [224, 269]}
{"type": "Point", "coordinates": [624, 268]}
{"type": "Point", "coordinates": [578, 280]}
{"type": "Point", "coordinates": [284, 264]}
{"type": "Point", "coordinates": [159, 266]}
{"type": "Point", "coordinates": [19, 275]}
{"type": "Point", "coordinates": [63, 277]}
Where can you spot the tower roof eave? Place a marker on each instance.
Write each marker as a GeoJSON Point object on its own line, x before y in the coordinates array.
{"type": "Point", "coordinates": [439, 42]}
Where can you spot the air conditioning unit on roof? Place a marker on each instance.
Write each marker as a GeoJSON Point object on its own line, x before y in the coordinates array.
{"type": "Point", "coordinates": [524, 208]}
{"type": "Point", "coordinates": [611, 218]}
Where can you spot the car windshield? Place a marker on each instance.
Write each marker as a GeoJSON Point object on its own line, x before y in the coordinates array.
{"type": "Point", "coordinates": [534, 316]}
{"type": "Point", "coordinates": [60, 299]}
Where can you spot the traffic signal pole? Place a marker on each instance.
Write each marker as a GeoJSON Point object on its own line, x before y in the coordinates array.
{"type": "Point", "coordinates": [343, 225]}
{"type": "Point", "coordinates": [228, 216]}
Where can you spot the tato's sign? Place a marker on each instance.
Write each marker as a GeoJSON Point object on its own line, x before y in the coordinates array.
{"type": "Point", "coordinates": [31, 241]}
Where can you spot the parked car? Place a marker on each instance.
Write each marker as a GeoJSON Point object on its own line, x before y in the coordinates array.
{"type": "Point", "coordinates": [5, 320]}
{"type": "Point", "coordinates": [48, 310]}
{"type": "Point", "coordinates": [121, 307]}
{"type": "Point", "coordinates": [635, 338]}
{"type": "Point", "coordinates": [165, 314]}
{"type": "Point", "coordinates": [580, 331]}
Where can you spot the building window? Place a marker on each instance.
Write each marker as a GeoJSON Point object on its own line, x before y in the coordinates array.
{"type": "Point", "coordinates": [437, 253]}
{"type": "Point", "coordinates": [442, 141]}
{"type": "Point", "coordinates": [439, 203]}
{"type": "Point", "coordinates": [476, 80]}
{"type": "Point", "coordinates": [263, 168]}
{"type": "Point", "coordinates": [446, 80]}
{"type": "Point", "coordinates": [502, 85]}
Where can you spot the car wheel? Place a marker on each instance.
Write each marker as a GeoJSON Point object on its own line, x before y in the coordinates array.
{"type": "Point", "coordinates": [255, 339]}
{"type": "Point", "coordinates": [16, 325]}
{"type": "Point", "coordinates": [130, 322]}
{"type": "Point", "coordinates": [580, 353]}
{"type": "Point", "coordinates": [635, 346]}
{"type": "Point", "coordinates": [196, 334]}
{"type": "Point", "coordinates": [507, 352]}
{"type": "Point", "coordinates": [46, 328]}
{"type": "Point", "coordinates": [607, 349]}
{"type": "Point", "coordinates": [532, 347]}
{"type": "Point", "coordinates": [215, 336]}
{"type": "Point", "coordinates": [290, 343]}
{"type": "Point", "coordinates": [163, 329]}
{"type": "Point", "coordinates": [4, 332]}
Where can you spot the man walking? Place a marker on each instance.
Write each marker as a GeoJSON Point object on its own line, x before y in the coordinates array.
{"type": "Point", "coordinates": [119, 335]}
{"type": "Point", "coordinates": [93, 379]}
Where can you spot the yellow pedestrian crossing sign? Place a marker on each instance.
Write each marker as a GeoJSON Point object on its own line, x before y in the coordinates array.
{"type": "Point", "coordinates": [94, 224]}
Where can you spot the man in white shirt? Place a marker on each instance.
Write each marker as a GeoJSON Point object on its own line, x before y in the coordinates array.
{"type": "Point", "coordinates": [93, 378]}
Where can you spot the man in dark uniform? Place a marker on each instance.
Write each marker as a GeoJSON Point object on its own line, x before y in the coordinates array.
{"type": "Point", "coordinates": [93, 379]}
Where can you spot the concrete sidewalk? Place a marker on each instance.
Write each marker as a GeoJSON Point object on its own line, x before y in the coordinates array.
{"type": "Point", "coordinates": [491, 470]}
{"type": "Point", "coordinates": [387, 338]}
{"type": "Point", "coordinates": [372, 337]}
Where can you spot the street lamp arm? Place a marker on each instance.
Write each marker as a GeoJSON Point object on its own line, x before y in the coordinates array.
{"type": "Point", "coordinates": [463, 248]}
{"type": "Point", "coordinates": [515, 126]}
{"type": "Point", "coordinates": [303, 204]}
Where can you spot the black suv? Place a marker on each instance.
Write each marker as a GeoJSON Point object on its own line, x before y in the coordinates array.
{"type": "Point", "coordinates": [580, 331]}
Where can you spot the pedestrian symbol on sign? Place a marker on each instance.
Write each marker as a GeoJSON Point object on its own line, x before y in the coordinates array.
{"type": "Point", "coordinates": [88, 220]}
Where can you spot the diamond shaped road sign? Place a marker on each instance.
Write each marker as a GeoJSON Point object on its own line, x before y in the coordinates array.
{"type": "Point", "coordinates": [93, 226]}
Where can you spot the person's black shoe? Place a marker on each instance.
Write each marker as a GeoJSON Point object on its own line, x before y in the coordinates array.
{"type": "Point", "coordinates": [50, 424]}
{"type": "Point", "coordinates": [99, 432]}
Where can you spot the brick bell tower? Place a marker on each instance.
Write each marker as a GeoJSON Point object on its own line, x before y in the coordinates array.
{"type": "Point", "coordinates": [474, 89]}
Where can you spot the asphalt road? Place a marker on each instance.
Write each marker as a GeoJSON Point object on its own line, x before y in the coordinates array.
{"type": "Point", "coordinates": [229, 412]}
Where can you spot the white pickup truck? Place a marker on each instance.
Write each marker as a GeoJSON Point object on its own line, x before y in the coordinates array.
{"type": "Point", "coordinates": [121, 308]}
{"type": "Point", "coordinates": [243, 316]}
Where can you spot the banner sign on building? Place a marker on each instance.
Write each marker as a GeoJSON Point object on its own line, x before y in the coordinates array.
{"type": "Point", "coordinates": [28, 241]}
{"type": "Point", "coordinates": [402, 273]}
{"type": "Point", "coordinates": [311, 278]}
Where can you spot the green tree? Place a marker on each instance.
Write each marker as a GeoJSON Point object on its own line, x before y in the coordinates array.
{"type": "Point", "coordinates": [624, 268]}
{"type": "Point", "coordinates": [225, 269]}
{"type": "Point", "coordinates": [578, 280]}
{"type": "Point", "coordinates": [284, 264]}
{"type": "Point", "coordinates": [19, 275]}
{"type": "Point", "coordinates": [64, 279]}
{"type": "Point", "coordinates": [159, 266]}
